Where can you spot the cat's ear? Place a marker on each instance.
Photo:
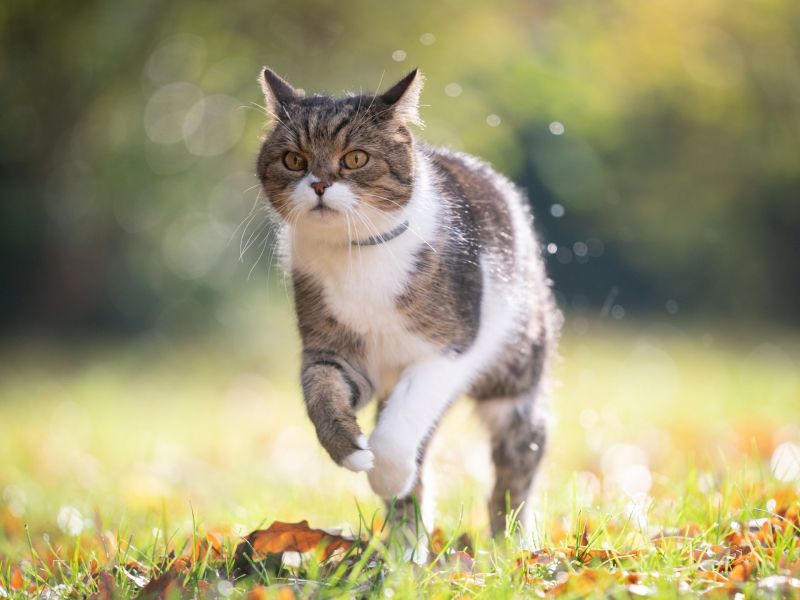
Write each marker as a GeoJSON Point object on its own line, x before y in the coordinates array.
{"type": "Point", "coordinates": [277, 91]}
{"type": "Point", "coordinates": [403, 97]}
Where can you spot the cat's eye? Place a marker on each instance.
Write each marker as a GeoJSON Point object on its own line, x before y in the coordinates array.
{"type": "Point", "coordinates": [295, 161]}
{"type": "Point", "coordinates": [355, 159]}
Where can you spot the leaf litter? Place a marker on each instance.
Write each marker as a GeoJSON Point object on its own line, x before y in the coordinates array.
{"type": "Point", "coordinates": [286, 560]}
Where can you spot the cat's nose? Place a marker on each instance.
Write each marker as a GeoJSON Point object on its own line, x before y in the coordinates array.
{"type": "Point", "coordinates": [320, 187]}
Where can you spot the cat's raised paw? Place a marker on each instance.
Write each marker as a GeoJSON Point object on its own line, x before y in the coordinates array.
{"type": "Point", "coordinates": [360, 460]}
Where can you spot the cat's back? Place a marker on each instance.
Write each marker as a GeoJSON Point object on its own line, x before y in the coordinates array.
{"type": "Point", "coordinates": [489, 209]}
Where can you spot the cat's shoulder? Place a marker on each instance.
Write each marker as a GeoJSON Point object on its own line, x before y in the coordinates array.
{"type": "Point", "coordinates": [466, 171]}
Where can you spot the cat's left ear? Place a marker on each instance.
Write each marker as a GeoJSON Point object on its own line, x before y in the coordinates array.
{"type": "Point", "coordinates": [403, 97]}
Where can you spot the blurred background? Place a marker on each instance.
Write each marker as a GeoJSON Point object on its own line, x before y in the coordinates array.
{"type": "Point", "coordinates": [146, 335]}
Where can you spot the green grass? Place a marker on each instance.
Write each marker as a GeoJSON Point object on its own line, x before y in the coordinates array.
{"type": "Point", "coordinates": [116, 452]}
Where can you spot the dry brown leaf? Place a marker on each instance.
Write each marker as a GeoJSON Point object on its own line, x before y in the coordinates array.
{"type": "Point", "coordinates": [437, 541]}
{"type": "Point", "coordinates": [260, 592]}
{"type": "Point", "coordinates": [585, 582]}
{"type": "Point", "coordinates": [11, 523]}
{"type": "Point", "coordinates": [209, 545]}
{"type": "Point", "coordinates": [741, 571]}
{"type": "Point", "coordinates": [287, 537]}
{"type": "Point", "coordinates": [257, 592]}
{"type": "Point", "coordinates": [295, 537]}
{"type": "Point", "coordinates": [167, 585]}
{"type": "Point", "coordinates": [106, 587]}
{"type": "Point", "coordinates": [16, 581]}
{"type": "Point", "coordinates": [586, 555]}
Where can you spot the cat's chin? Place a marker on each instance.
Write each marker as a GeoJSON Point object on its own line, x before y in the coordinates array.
{"type": "Point", "coordinates": [327, 224]}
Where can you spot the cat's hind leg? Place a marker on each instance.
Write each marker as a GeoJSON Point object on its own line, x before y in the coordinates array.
{"type": "Point", "coordinates": [518, 432]}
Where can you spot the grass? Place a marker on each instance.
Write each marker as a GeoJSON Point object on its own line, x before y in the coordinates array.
{"type": "Point", "coordinates": [157, 454]}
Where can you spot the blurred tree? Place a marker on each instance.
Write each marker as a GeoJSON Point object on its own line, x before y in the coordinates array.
{"type": "Point", "coordinates": [658, 141]}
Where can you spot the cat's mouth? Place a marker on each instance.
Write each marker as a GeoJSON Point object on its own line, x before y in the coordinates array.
{"type": "Point", "coordinates": [322, 208]}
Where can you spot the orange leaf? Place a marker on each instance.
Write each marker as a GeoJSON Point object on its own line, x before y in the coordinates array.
{"type": "Point", "coordinates": [258, 592]}
{"type": "Point", "coordinates": [741, 571]}
{"type": "Point", "coordinates": [11, 523]}
{"type": "Point", "coordinates": [294, 537]}
{"type": "Point", "coordinates": [17, 581]}
{"type": "Point", "coordinates": [437, 541]}
{"type": "Point", "coordinates": [164, 587]}
{"type": "Point", "coordinates": [287, 537]}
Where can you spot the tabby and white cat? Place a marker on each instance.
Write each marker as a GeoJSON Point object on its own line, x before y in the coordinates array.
{"type": "Point", "coordinates": [417, 278]}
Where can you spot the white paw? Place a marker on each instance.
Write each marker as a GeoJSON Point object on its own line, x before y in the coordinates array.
{"type": "Point", "coordinates": [395, 467]}
{"type": "Point", "coordinates": [360, 460]}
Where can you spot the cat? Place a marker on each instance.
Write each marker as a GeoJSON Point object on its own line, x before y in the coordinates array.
{"type": "Point", "coordinates": [417, 278]}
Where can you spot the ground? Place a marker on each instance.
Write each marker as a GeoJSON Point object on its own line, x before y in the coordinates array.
{"type": "Point", "coordinates": [674, 470]}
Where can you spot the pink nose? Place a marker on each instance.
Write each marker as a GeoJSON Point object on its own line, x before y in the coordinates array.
{"type": "Point", "coordinates": [320, 187]}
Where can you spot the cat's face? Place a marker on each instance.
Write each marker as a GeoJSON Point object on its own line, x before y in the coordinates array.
{"type": "Point", "coordinates": [335, 166]}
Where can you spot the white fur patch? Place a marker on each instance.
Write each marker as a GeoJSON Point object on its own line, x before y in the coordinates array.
{"type": "Point", "coordinates": [360, 460]}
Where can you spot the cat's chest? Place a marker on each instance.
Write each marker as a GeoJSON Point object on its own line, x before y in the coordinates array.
{"type": "Point", "coordinates": [361, 292]}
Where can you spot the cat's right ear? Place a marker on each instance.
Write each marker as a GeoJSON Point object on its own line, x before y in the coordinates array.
{"type": "Point", "coordinates": [277, 91]}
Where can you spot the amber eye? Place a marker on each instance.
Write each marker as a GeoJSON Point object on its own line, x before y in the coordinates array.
{"type": "Point", "coordinates": [294, 161]}
{"type": "Point", "coordinates": [355, 159]}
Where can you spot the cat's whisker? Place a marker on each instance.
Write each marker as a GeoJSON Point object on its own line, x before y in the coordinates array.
{"type": "Point", "coordinates": [260, 255]}
{"type": "Point", "coordinates": [250, 215]}
{"type": "Point", "coordinates": [272, 115]}
{"type": "Point", "coordinates": [349, 243]}
{"type": "Point", "coordinates": [353, 240]}
{"type": "Point", "coordinates": [243, 246]}
{"type": "Point", "coordinates": [253, 236]}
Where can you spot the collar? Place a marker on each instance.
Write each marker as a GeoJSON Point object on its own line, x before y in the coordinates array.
{"type": "Point", "coordinates": [375, 240]}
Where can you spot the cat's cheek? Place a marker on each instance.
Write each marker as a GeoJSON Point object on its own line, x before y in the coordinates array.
{"type": "Point", "coordinates": [395, 467]}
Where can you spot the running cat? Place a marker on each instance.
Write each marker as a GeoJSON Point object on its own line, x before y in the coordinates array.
{"type": "Point", "coordinates": [417, 278]}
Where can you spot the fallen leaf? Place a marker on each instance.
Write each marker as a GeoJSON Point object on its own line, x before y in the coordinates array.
{"type": "Point", "coordinates": [585, 582]}
{"type": "Point", "coordinates": [168, 585]}
{"type": "Point", "coordinates": [106, 587]}
{"type": "Point", "coordinates": [287, 537]}
{"type": "Point", "coordinates": [741, 571]}
{"type": "Point", "coordinates": [11, 523]}
{"type": "Point", "coordinates": [16, 581]}
{"type": "Point", "coordinates": [437, 541]}
{"type": "Point", "coordinates": [165, 587]}
{"type": "Point", "coordinates": [257, 592]}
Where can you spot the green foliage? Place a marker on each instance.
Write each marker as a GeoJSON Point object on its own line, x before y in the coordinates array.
{"type": "Point", "coordinates": [667, 130]}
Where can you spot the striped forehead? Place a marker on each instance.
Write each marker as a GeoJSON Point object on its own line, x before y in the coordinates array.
{"type": "Point", "coordinates": [325, 121]}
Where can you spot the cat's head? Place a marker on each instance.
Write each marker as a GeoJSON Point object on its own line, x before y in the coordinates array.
{"type": "Point", "coordinates": [339, 166]}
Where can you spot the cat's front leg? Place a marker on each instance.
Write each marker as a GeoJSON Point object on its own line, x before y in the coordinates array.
{"type": "Point", "coordinates": [407, 419]}
{"type": "Point", "coordinates": [333, 389]}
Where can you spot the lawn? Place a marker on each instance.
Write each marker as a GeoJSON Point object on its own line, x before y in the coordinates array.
{"type": "Point", "coordinates": [136, 467]}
